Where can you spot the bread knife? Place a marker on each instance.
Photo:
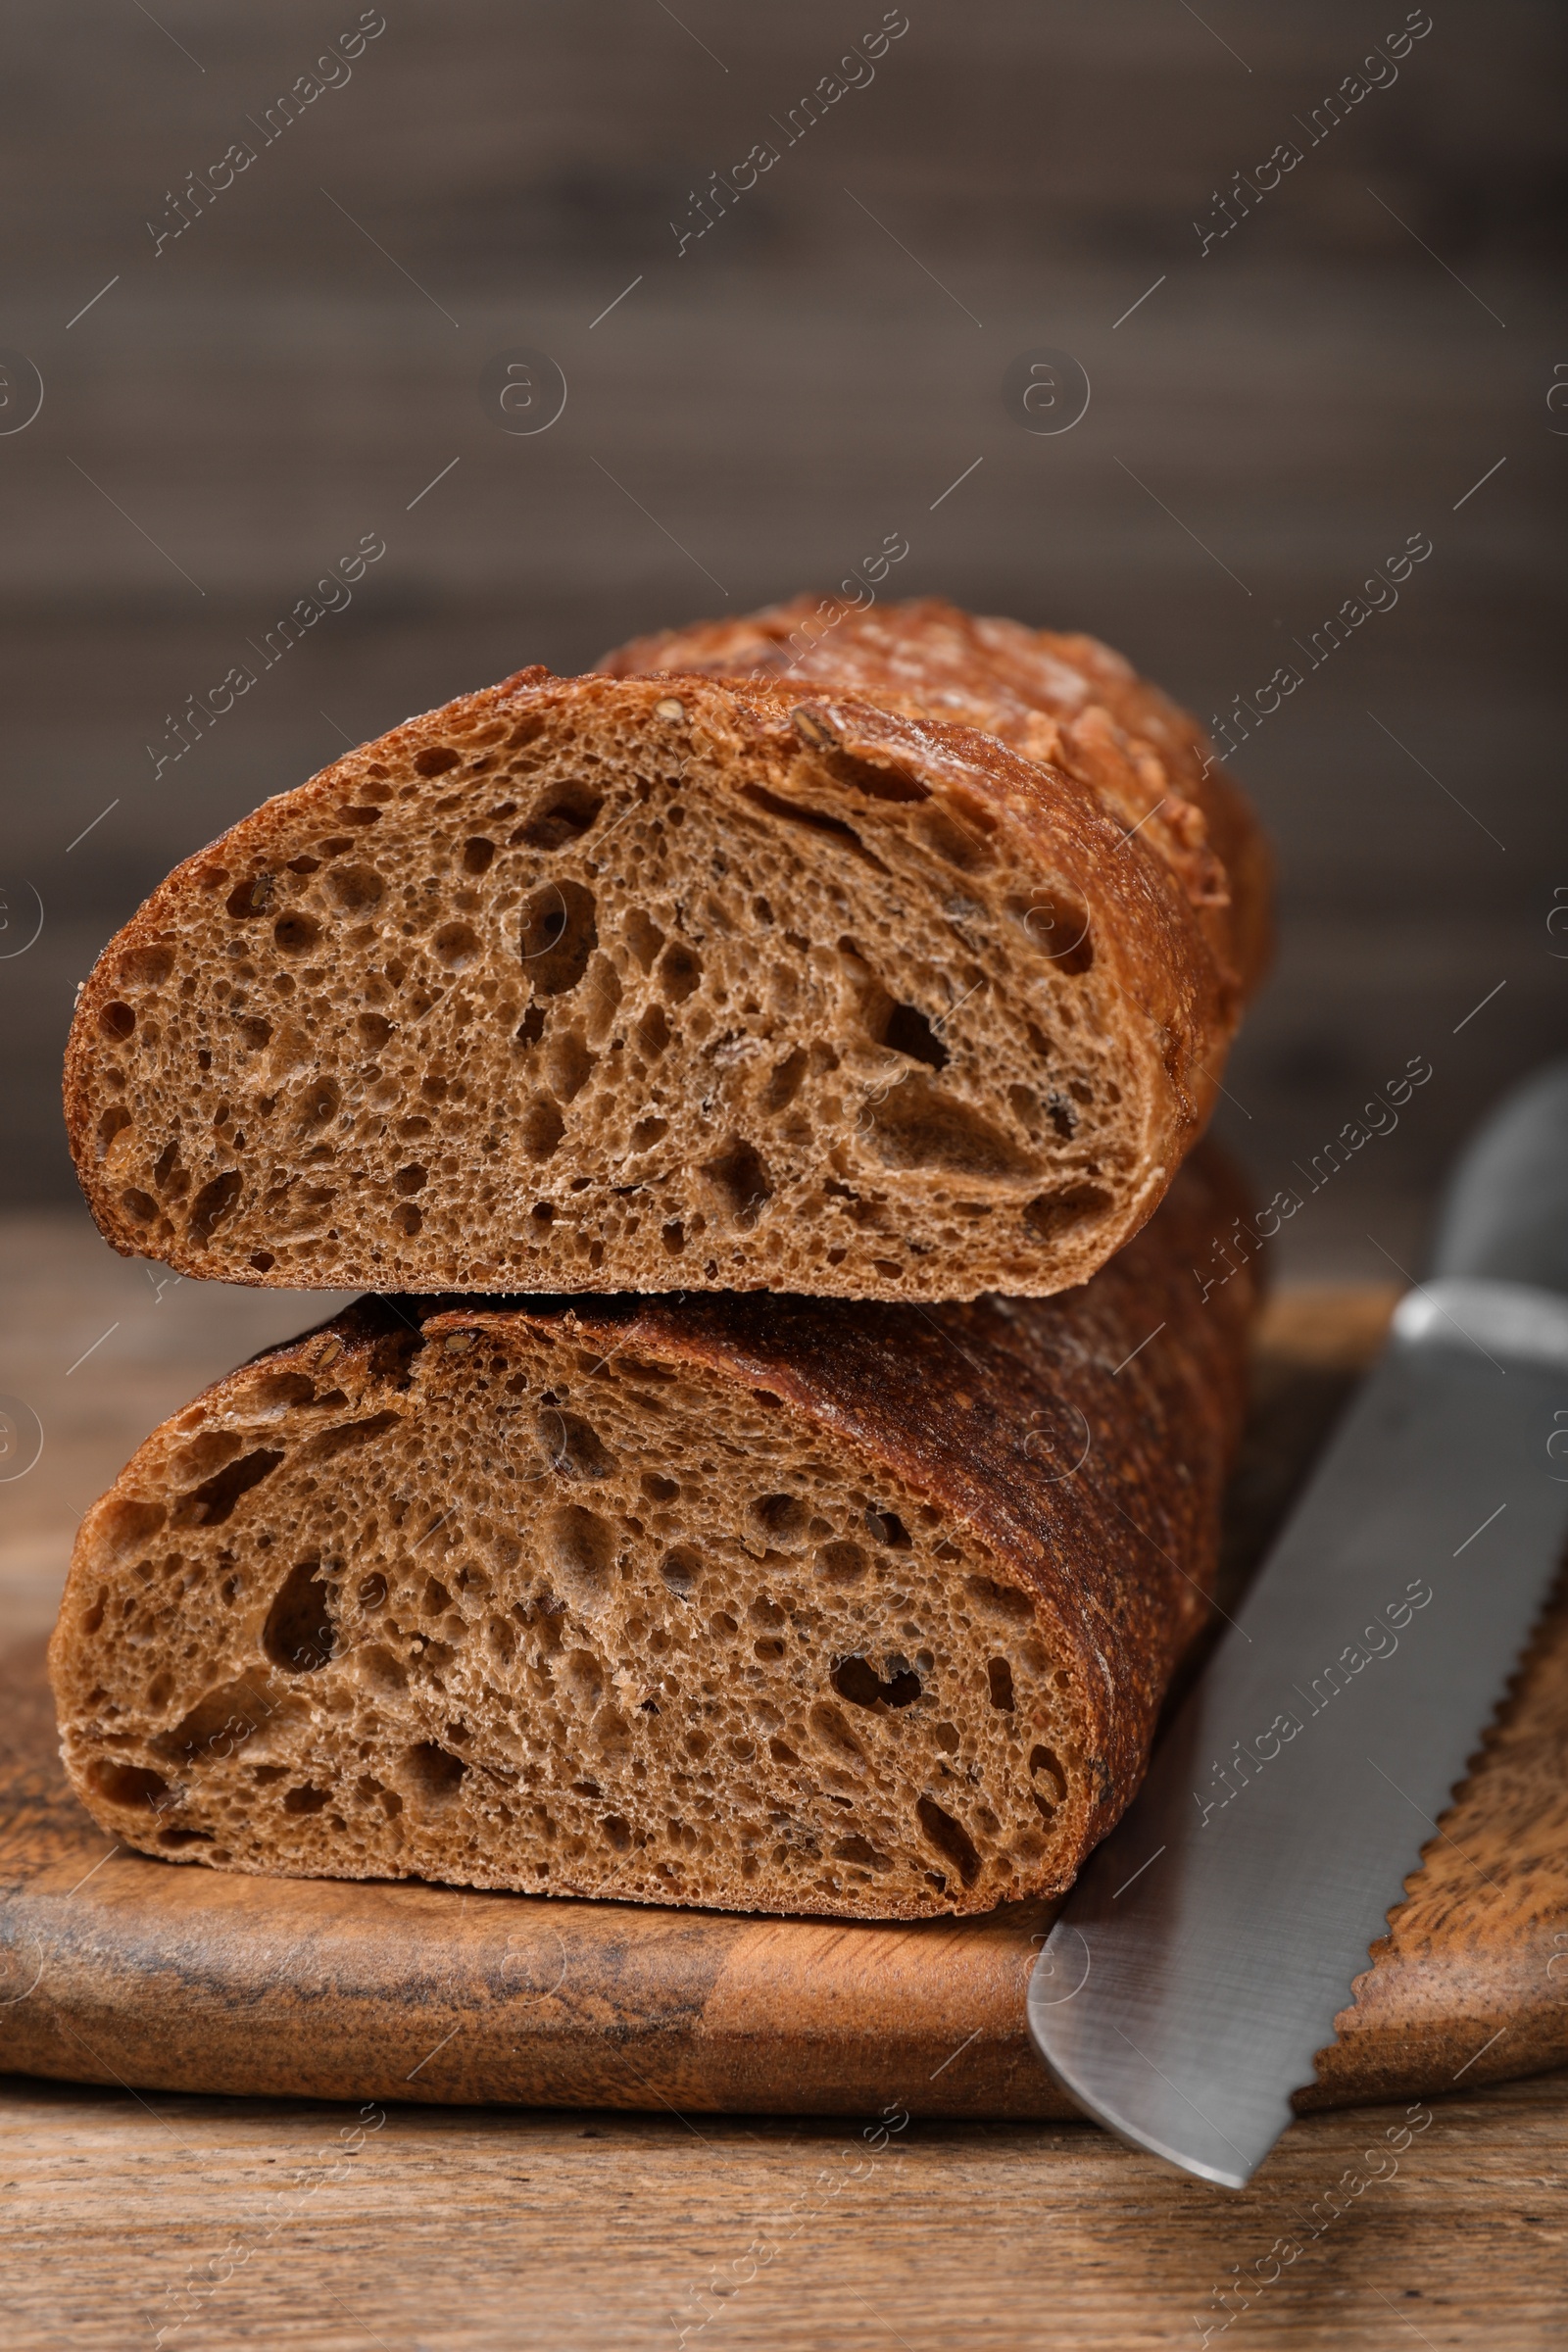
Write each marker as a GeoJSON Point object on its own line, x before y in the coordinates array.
{"type": "Point", "coordinates": [1207, 1945]}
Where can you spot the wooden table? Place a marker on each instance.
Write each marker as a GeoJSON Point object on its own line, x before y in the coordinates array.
{"type": "Point", "coordinates": [227, 2222]}
{"type": "Point", "coordinates": [464, 2228]}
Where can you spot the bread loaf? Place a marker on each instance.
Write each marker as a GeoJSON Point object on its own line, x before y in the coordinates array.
{"type": "Point", "coordinates": [768, 1603]}
{"type": "Point", "coordinates": [603, 984]}
{"type": "Point", "coordinates": [1067, 701]}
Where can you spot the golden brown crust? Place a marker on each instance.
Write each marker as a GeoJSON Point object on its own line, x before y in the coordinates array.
{"type": "Point", "coordinates": [197, 1148]}
{"type": "Point", "coordinates": [1064, 700]}
{"type": "Point", "coordinates": [1066, 1457]}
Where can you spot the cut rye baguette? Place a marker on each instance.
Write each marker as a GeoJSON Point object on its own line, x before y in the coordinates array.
{"type": "Point", "coordinates": [1062, 698]}
{"type": "Point", "coordinates": [600, 984]}
{"type": "Point", "coordinates": [752, 1602]}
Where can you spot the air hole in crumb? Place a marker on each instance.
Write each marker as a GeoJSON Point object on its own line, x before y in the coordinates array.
{"type": "Point", "coordinates": [1054, 1214]}
{"type": "Point", "coordinates": [542, 1127]}
{"type": "Point", "coordinates": [879, 780]}
{"type": "Point", "coordinates": [1057, 922]}
{"type": "Point", "coordinates": [1045, 1766]}
{"type": "Point", "coordinates": [856, 1680]}
{"type": "Point", "coordinates": [908, 1032]}
{"type": "Point", "coordinates": [835, 1734]}
{"type": "Point", "coordinates": [680, 1570]}
{"type": "Point", "coordinates": [617, 1832]}
{"type": "Point", "coordinates": [674, 1237]}
{"type": "Point", "coordinates": [781, 1517]}
{"type": "Point", "coordinates": [203, 1455]}
{"type": "Point", "coordinates": [568, 1065]}
{"type": "Point", "coordinates": [785, 1082]}
{"type": "Point", "coordinates": [411, 1179]}
{"type": "Point", "coordinates": [433, 1774]}
{"type": "Point", "coordinates": [356, 887]}
{"type": "Point", "coordinates": [140, 1207]}
{"type": "Point", "coordinates": [435, 761]}
{"type": "Point", "coordinates": [211, 1502]}
{"type": "Point", "coordinates": [298, 1633]}
{"type": "Point", "coordinates": [456, 945]}
{"type": "Point", "coordinates": [317, 1103]}
{"type": "Point", "coordinates": [114, 1121]}
{"type": "Point", "coordinates": [653, 1032]}
{"type": "Point", "coordinates": [680, 971]}
{"type": "Point", "coordinates": [373, 1591]}
{"type": "Point", "coordinates": [296, 932]}
{"type": "Point", "coordinates": [250, 898]}
{"type": "Point", "coordinates": [147, 967]}
{"type": "Point", "coordinates": [863, 1851]}
{"type": "Point", "coordinates": [278, 1391]}
{"type": "Point", "coordinates": [572, 1445]}
{"type": "Point", "coordinates": [1003, 1600]}
{"type": "Point", "coordinates": [917, 1126]}
{"type": "Point", "coordinates": [950, 1839]}
{"type": "Point", "coordinates": [999, 1675]}
{"type": "Point", "coordinates": [408, 1220]}
{"type": "Point", "coordinates": [816, 821]}
{"type": "Point", "coordinates": [841, 1563]}
{"type": "Point", "coordinates": [126, 1524]}
{"type": "Point", "coordinates": [117, 1020]}
{"type": "Point", "coordinates": [643, 936]}
{"type": "Point", "coordinates": [581, 1550]}
{"type": "Point", "coordinates": [564, 815]}
{"type": "Point", "coordinates": [126, 1784]}
{"type": "Point", "coordinates": [961, 843]}
{"type": "Point", "coordinates": [557, 935]}
{"type": "Point", "coordinates": [476, 855]}
{"type": "Point", "coordinates": [740, 1177]}
{"type": "Point", "coordinates": [306, 1799]}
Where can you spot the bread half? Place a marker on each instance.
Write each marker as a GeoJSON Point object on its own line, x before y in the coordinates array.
{"type": "Point", "coordinates": [600, 984]}
{"type": "Point", "coordinates": [762, 1603]}
{"type": "Point", "coordinates": [1062, 698]}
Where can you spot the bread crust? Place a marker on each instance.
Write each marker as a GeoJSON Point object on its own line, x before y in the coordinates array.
{"type": "Point", "coordinates": [1065, 699]}
{"type": "Point", "coordinates": [1154, 997]}
{"type": "Point", "coordinates": [1091, 1573]}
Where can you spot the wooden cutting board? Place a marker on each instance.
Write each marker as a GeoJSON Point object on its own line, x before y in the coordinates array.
{"type": "Point", "coordinates": [118, 1969]}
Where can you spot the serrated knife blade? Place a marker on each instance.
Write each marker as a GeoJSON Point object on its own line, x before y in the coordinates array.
{"type": "Point", "coordinates": [1202, 1957]}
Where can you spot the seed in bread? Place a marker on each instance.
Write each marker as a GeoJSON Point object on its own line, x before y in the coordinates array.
{"type": "Point", "coordinates": [606, 984]}
{"type": "Point", "coordinates": [749, 1602]}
